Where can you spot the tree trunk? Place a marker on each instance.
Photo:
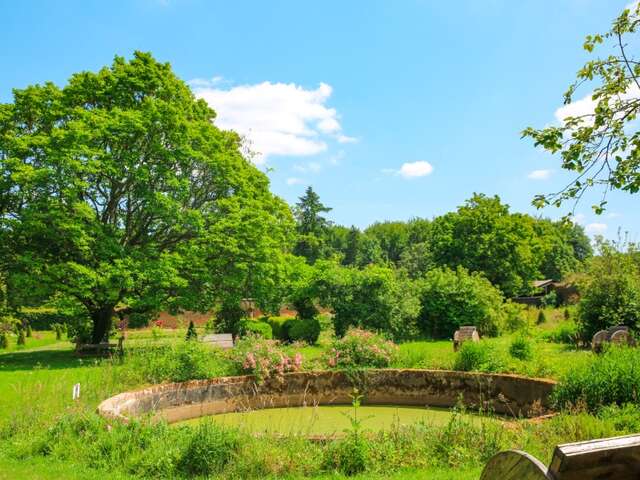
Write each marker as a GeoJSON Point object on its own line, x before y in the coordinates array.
{"type": "Point", "coordinates": [102, 319]}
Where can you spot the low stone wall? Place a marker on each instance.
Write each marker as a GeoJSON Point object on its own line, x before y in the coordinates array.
{"type": "Point", "coordinates": [503, 394]}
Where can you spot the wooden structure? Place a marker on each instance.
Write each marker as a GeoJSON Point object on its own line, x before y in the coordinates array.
{"type": "Point", "coordinates": [619, 335]}
{"type": "Point", "coordinates": [103, 349]}
{"type": "Point", "coordinates": [222, 340]}
{"type": "Point", "coordinates": [464, 334]}
{"type": "Point", "coordinates": [615, 458]}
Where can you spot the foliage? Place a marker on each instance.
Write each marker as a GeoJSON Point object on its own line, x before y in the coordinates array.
{"type": "Point", "coordinates": [118, 189]}
{"type": "Point", "coordinates": [550, 300]}
{"type": "Point", "coordinates": [566, 332]}
{"type": "Point", "coordinates": [306, 330]}
{"type": "Point", "coordinates": [278, 326]}
{"type": "Point", "coordinates": [42, 318]}
{"type": "Point", "coordinates": [521, 348]}
{"type": "Point", "coordinates": [361, 349]}
{"type": "Point", "coordinates": [607, 379]}
{"type": "Point", "coordinates": [477, 356]}
{"type": "Point", "coordinates": [228, 318]}
{"type": "Point", "coordinates": [263, 358]}
{"type": "Point", "coordinates": [451, 298]}
{"type": "Point", "coordinates": [514, 316]}
{"type": "Point", "coordinates": [256, 328]}
{"type": "Point", "coordinates": [312, 227]}
{"type": "Point", "coordinates": [483, 236]}
{"type": "Point", "coordinates": [417, 259]}
{"type": "Point", "coordinates": [393, 238]}
{"type": "Point", "coordinates": [600, 144]}
{"type": "Point", "coordinates": [209, 449]}
{"type": "Point", "coordinates": [192, 334]}
{"type": "Point", "coordinates": [352, 454]}
{"type": "Point", "coordinates": [375, 298]}
{"type": "Point", "coordinates": [542, 318]}
{"type": "Point", "coordinates": [21, 337]}
{"type": "Point", "coordinates": [4, 340]}
{"type": "Point", "coordinates": [610, 295]}
{"type": "Point", "coordinates": [180, 362]}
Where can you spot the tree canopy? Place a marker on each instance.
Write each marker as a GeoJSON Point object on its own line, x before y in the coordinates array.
{"type": "Point", "coordinates": [117, 190]}
{"type": "Point", "coordinates": [600, 143]}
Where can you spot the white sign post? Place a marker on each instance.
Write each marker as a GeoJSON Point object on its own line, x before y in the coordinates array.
{"type": "Point", "coordinates": [76, 391]}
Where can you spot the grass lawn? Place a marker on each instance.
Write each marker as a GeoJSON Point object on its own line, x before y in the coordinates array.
{"type": "Point", "coordinates": [36, 382]}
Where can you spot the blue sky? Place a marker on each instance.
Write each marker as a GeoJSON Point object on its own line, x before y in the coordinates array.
{"type": "Point", "coordinates": [389, 109]}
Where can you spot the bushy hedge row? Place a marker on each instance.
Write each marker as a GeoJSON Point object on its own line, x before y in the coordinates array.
{"type": "Point", "coordinates": [42, 318]}
{"type": "Point", "coordinates": [288, 329]}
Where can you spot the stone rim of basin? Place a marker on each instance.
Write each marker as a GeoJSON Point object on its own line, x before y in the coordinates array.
{"type": "Point", "coordinates": [508, 394]}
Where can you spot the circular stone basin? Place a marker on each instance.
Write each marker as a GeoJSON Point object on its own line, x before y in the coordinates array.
{"type": "Point", "coordinates": [506, 395]}
{"type": "Point", "coordinates": [331, 420]}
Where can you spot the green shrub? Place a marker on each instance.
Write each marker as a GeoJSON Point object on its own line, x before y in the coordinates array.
{"type": "Point", "coordinates": [278, 327]}
{"type": "Point", "coordinates": [452, 298]}
{"type": "Point", "coordinates": [21, 337]}
{"type": "Point", "coordinates": [252, 327]}
{"type": "Point", "coordinates": [611, 294]}
{"type": "Point", "coordinates": [305, 308]}
{"type": "Point", "coordinates": [192, 334]}
{"type": "Point", "coordinates": [177, 363]}
{"type": "Point", "coordinates": [228, 318]}
{"type": "Point", "coordinates": [520, 348]}
{"type": "Point", "coordinates": [28, 331]}
{"type": "Point", "coordinates": [542, 318]}
{"type": "Point", "coordinates": [565, 332]}
{"type": "Point", "coordinates": [550, 300]}
{"type": "Point", "coordinates": [59, 329]}
{"type": "Point", "coordinates": [361, 349]}
{"type": "Point", "coordinates": [349, 456]}
{"type": "Point", "coordinates": [514, 316]}
{"type": "Point", "coordinates": [478, 356]}
{"type": "Point", "coordinates": [567, 314]}
{"type": "Point", "coordinates": [209, 449]}
{"type": "Point", "coordinates": [375, 298]}
{"type": "Point", "coordinates": [4, 340]}
{"type": "Point", "coordinates": [612, 378]}
{"type": "Point", "coordinates": [306, 330]}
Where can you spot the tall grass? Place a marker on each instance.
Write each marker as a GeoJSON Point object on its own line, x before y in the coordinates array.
{"type": "Point", "coordinates": [612, 378]}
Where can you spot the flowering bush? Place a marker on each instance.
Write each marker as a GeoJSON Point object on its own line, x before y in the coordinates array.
{"type": "Point", "coordinates": [263, 358]}
{"type": "Point", "coordinates": [361, 348]}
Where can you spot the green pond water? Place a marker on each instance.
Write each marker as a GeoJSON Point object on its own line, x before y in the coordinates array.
{"type": "Point", "coordinates": [329, 419]}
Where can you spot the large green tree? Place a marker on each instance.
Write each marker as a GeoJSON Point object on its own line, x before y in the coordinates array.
{"type": "Point", "coordinates": [312, 226]}
{"type": "Point", "coordinates": [599, 141]}
{"type": "Point", "coordinates": [483, 236]}
{"type": "Point", "coordinates": [117, 190]}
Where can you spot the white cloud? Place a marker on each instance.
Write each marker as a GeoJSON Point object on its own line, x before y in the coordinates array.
{"type": "Point", "coordinates": [596, 228]}
{"type": "Point", "coordinates": [294, 181]}
{"type": "Point", "coordinates": [415, 169]}
{"type": "Point", "coordinates": [346, 139]}
{"type": "Point", "coordinates": [586, 105]}
{"type": "Point", "coordinates": [614, 215]}
{"type": "Point", "coordinates": [579, 218]}
{"type": "Point", "coordinates": [310, 167]}
{"type": "Point", "coordinates": [277, 118]}
{"type": "Point", "coordinates": [539, 174]}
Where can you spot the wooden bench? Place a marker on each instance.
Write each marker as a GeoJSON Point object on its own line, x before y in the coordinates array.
{"type": "Point", "coordinates": [222, 340]}
{"type": "Point", "coordinates": [619, 335]}
{"type": "Point", "coordinates": [467, 333]}
{"type": "Point", "coordinates": [615, 458]}
{"type": "Point", "coordinates": [104, 349]}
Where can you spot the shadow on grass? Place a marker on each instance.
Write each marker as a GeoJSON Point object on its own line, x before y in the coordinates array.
{"type": "Point", "coordinates": [47, 359]}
